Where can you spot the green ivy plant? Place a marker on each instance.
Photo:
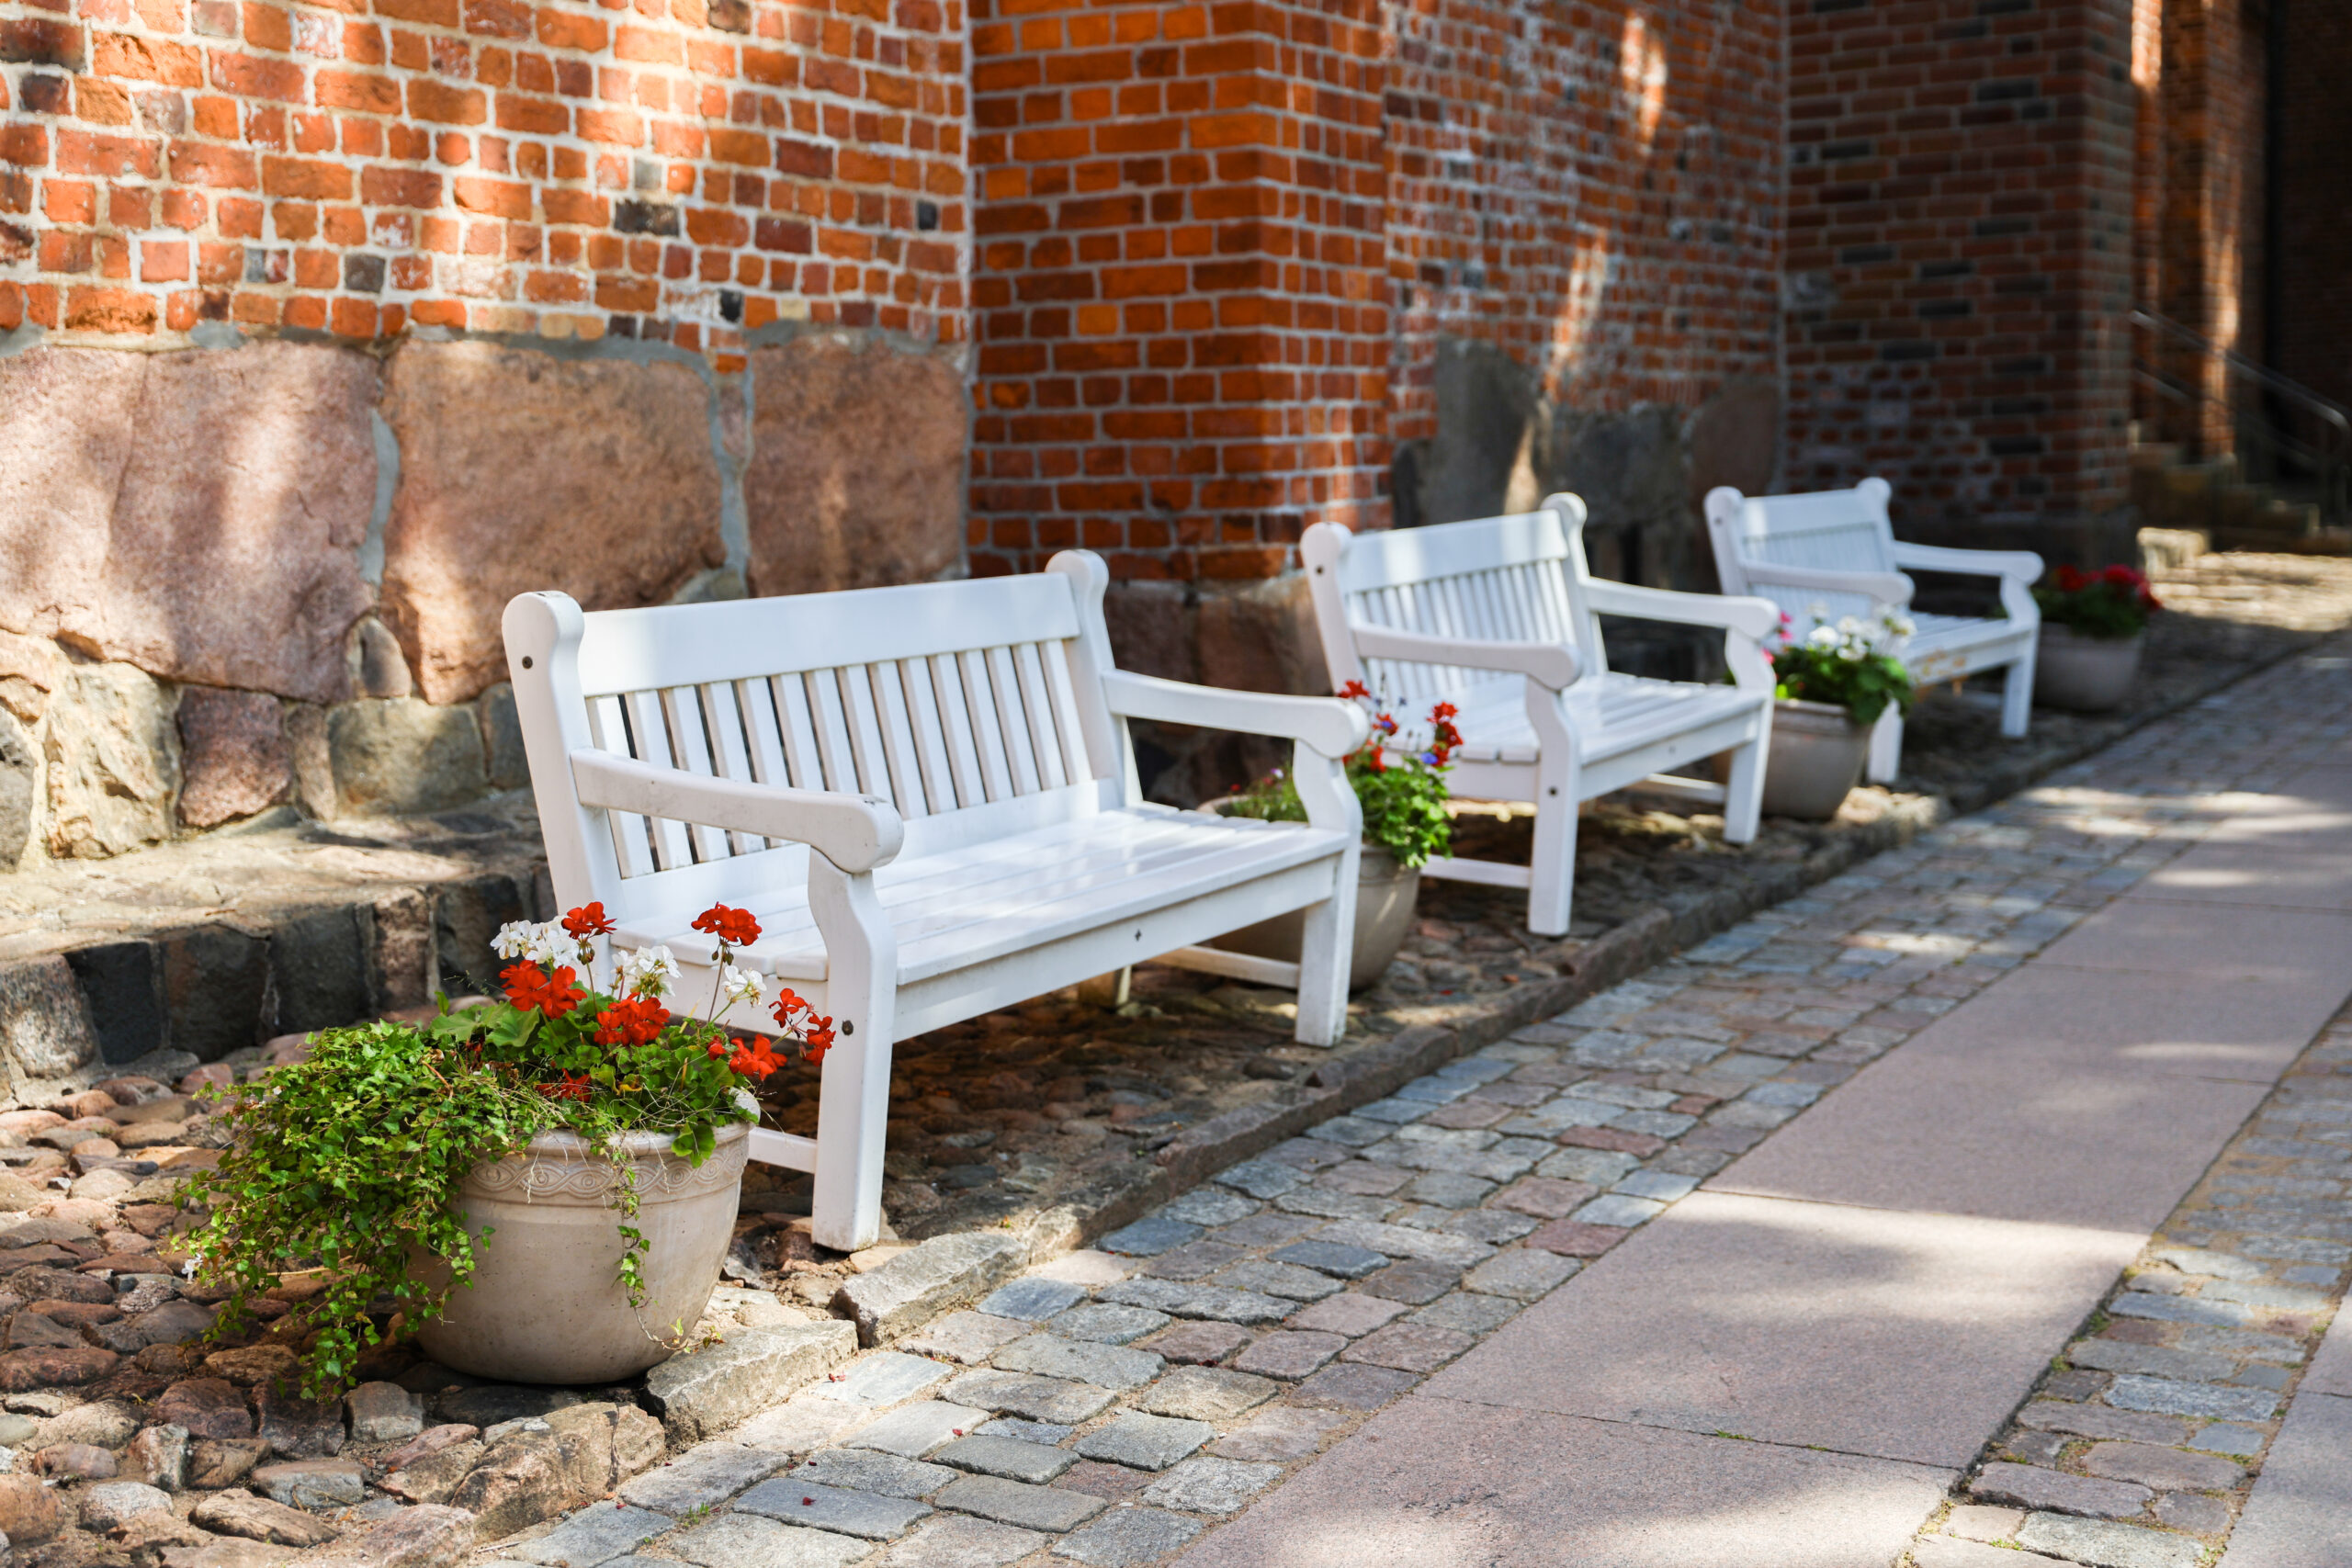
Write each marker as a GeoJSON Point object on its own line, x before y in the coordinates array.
{"type": "Point", "coordinates": [1847, 665]}
{"type": "Point", "coordinates": [349, 1162]}
{"type": "Point", "coordinates": [1400, 786]}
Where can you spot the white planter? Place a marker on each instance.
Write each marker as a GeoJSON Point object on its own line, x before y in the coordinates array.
{"type": "Point", "coordinates": [2087, 674]}
{"type": "Point", "coordinates": [1816, 760]}
{"type": "Point", "coordinates": [546, 1304]}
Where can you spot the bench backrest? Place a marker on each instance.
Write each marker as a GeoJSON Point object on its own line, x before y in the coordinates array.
{"type": "Point", "coordinates": [1517, 578]}
{"type": "Point", "coordinates": [974, 707]}
{"type": "Point", "coordinates": [1830, 530]}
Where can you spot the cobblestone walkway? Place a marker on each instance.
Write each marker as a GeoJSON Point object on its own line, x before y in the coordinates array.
{"type": "Point", "coordinates": [1170, 1392]}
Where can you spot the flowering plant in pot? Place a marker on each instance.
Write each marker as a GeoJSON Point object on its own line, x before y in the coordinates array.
{"type": "Point", "coordinates": [1830, 686]}
{"type": "Point", "coordinates": [542, 1187]}
{"type": "Point", "coordinates": [2093, 626]}
{"type": "Point", "coordinates": [1399, 780]}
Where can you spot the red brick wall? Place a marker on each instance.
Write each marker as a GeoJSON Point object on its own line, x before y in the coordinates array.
{"type": "Point", "coordinates": [673, 168]}
{"type": "Point", "coordinates": [1594, 189]}
{"type": "Point", "coordinates": [1960, 248]}
{"type": "Point", "coordinates": [1182, 329]}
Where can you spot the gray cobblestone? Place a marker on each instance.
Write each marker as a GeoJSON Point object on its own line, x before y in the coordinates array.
{"type": "Point", "coordinates": [748, 1541]}
{"type": "Point", "coordinates": [1207, 1394]}
{"type": "Point", "coordinates": [1128, 1538]}
{"type": "Point", "coordinates": [1049, 1508]}
{"type": "Point", "coordinates": [1288, 1280]}
{"type": "Point", "coordinates": [914, 1430]}
{"type": "Point", "coordinates": [1009, 1457]}
{"type": "Point", "coordinates": [866, 1515]}
{"type": "Point", "coordinates": [960, 1542]}
{"type": "Point", "coordinates": [1144, 1442]}
{"type": "Point", "coordinates": [1146, 1238]}
{"type": "Point", "coordinates": [867, 1469]}
{"type": "Point", "coordinates": [1037, 1398]}
{"type": "Point", "coordinates": [1108, 1323]}
{"type": "Point", "coordinates": [1081, 1361]}
{"type": "Point", "coordinates": [1331, 1257]}
{"type": "Point", "coordinates": [1205, 1485]}
{"type": "Point", "coordinates": [1180, 1300]}
{"type": "Point", "coordinates": [1032, 1299]}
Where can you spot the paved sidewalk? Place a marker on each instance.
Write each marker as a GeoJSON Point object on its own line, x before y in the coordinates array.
{"type": "Point", "coordinates": [1795, 1364]}
{"type": "Point", "coordinates": [1739, 1265]}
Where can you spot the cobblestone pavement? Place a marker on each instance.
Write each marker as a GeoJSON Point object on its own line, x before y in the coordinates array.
{"type": "Point", "coordinates": [1115, 1404]}
{"type": "Point", "coordinates": [1007, 1116]}
{"type": "Point", "coordinates": [2141, 1444]}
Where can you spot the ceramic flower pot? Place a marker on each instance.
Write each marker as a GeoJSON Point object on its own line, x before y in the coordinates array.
{"type": "Point", "coordinates": [545, 1304]}
{"type": "Point", "coordinates": [1815, 761]}
{"type": "Point", "coordinates": [1385, 894]}
{"type": "Point", "coordinates": [2086, 674]}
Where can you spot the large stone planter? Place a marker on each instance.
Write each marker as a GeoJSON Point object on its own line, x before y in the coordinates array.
{"type": "Point", "coordinates": [1815, 761]}
{"type": "Point", "coordinates": [2086, 674]}
{"type": "Point", "coordinates": [1385, 894]}
{"type": "Point", "coordinates": [545, 1304]}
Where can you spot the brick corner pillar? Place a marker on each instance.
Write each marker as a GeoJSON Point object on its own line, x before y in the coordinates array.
{"type": "Point", "coordinates": [1180, 310]}
{"type": "Point", "coordinates": [1961, 206]}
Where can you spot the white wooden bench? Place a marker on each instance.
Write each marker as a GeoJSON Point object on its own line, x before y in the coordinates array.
{"type": "Point", "coordinates": [1500, 617]}
{"type": "Point", "coordinates": [1832, 553]}
{"type": "Point", "coordinates": [927, 797]}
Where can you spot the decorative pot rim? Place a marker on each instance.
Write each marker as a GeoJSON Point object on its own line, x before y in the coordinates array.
{"type": "Point", "coordinates": [2070, 635]}
{"type": "Point", "coordinates": [1801, 705]}
{"type": "Point", "coordinates": [560, 1164]}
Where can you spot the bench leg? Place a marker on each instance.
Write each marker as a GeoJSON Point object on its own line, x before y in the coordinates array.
{"type": "Point", "coordinates": [1326, 954]}
{"type": "Point", "coordinates": [1886, 747]}
{"type": "Point", "coordinates": [1552, 870]}
{"type": "Point", "coordinates": [2016, 695]}
{"type": "Point", "coordinates": [1743, 792]}
{"type": "Point", "coordinates": [853, 1101]}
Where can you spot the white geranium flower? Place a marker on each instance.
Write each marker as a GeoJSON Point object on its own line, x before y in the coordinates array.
{"type": "Point", "coordinates": [1902, 626]}
{"type": "Point", "coordinates": [740, 986]}
{"type": "Point", "coordinates": [645, 971]}
{"type": "Point", "coordinates": [550, 946]}
{"type": "Point", "coordinates": [513, 939]}
{"type": "Point", "coordinates": [1822, 637]}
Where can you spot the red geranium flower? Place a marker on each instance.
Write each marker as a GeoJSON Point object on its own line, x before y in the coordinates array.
{"type": "Point", "coordinates": [634, 1021]}
{"type": "Point", "coordinates": [529, 986]}
{"type": "Point", "coordinates": [734, 927]}
{"type": "Point", "coordinates": [755, 1059]}
{"type": "Point", "coordinates": [586, 921]}
{"type": "Point", "coordinates": [2071, 580]}
{"type": "Point", "coordinates": [1354, 689]}
{"type": "Point", "coordinates": [787, 1002]}
{"type": "Point", "coordinates": [819, 1037]}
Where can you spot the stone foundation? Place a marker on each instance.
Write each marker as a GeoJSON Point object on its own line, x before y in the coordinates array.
{"type": "Point", "coordinates": [269, 575]}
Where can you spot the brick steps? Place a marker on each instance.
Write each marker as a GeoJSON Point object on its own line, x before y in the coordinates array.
{"type": "Point", "coordinates": [2208, 499]}
{"type": "Point", "coordinates": [206, 947]}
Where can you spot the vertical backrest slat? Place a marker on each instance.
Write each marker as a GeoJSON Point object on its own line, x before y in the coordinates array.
{"type": "Point", "coordinates": [930, 743]}
{"type": "Point", "coordinates": [1044, 745]}
{"type": "Point", "coordinates": [722, 717]}
{"type": "Point", "coordinates": [898, 740]}
{"type": "Point", "coordinates": [833, 731]}
{"type": "Point", "coordinates": [799, 731]}
{"type": "Point", "coordinates": [631, 844]}
{"type": "Point", "coordinates": [1020, 752]}
{"type": "Point", "coordinates": [650, 730]}
{"type": "Point", "coordinates": [857, 683]}
{"type": "Point", "coordinates": [1071, 728]}
{"type": "Point", "coordinates": [987, 736]}
{"type": "Point", "coordinates": [682, 706]}
{"type": "Point", "coordinates": [955, 718]}
{"type": "Point", "coordinates": [756, 701]}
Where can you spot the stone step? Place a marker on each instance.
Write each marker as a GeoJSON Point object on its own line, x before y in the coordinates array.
{"type": "Point", "coordinates": [184, 954]}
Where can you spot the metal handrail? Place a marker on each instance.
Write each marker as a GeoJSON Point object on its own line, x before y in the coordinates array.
{"type": "Point", "coordinates": [2330, 461]}
{"type": "Point", "coordinates": [2332, 412]}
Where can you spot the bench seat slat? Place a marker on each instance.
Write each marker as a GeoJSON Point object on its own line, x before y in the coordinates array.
{"type": "Point", "coordinates": [962, 908]}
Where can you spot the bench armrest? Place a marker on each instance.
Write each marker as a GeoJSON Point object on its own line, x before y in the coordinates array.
{"type": "Point", "coordinates": [2022, 565]}
{"type": "Point", "coordinates": [1327, 724]}
{"type": "Point", "coordinates": [856, 832]}
{"type": "Point", "coordinates": [1549, 665]}
{"type": "Point", "coordinates": [1751, 617]}
{"type": "Point", "coordinates": [1889, 589]}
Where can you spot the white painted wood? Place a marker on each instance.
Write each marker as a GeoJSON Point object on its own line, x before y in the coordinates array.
{"type": "Point", "coordinates": [926, 796]}
{"type": "Point", "coordinates": [1237, 966]}
{"type": "Point", "coordinates": [1834, 553]}
{"type": "Point", "coordinates": [1500, 616]}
